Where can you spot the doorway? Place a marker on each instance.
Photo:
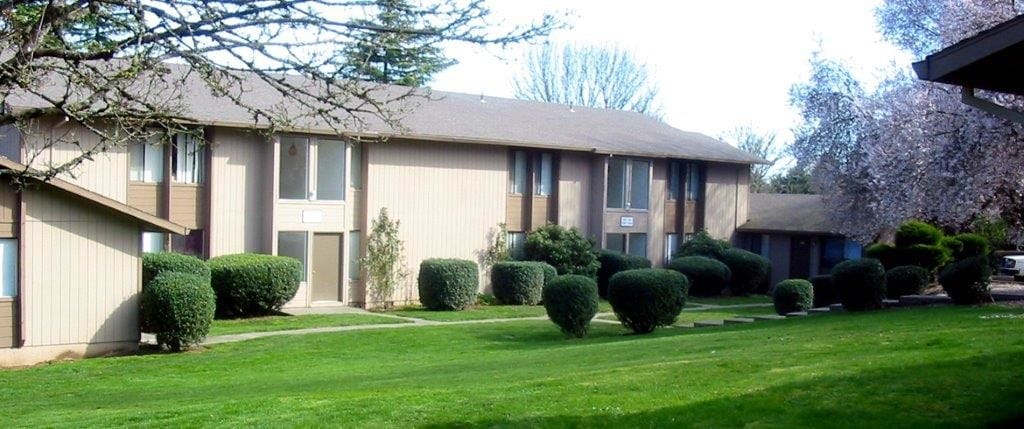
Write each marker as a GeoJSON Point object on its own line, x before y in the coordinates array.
{"type": "Point", "coordinates": [800, 257]}
{"type": "Point", "coordinates": [326, 282]}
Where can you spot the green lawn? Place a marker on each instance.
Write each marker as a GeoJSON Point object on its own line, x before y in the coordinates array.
{"type": "Point", "coordinates": [732, 300]}
{"type": "Point", "coordinates": [948, 367]}
{"type": "Point", "coordinates": [713, 314]}
{"type": "Point", "coordinates": [282, 323]}
{"type": "Point", "coordinates": [473, 313]}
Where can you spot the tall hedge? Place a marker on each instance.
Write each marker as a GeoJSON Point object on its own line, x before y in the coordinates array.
{"type": "Point", "coordinates": [448, 284]}
{"type": "Point", "coordinates": [645, 299]}
{"type": "Point", "coordinates": [566, 249]}
{"type": "Point", "coordinates": [571, 303]}
{"type": "Point", "coordinates": [250, 284]}
{"type": "Point", "coordinates": [517, 283]}
{"type": "Point", "coordinates": [793, 295]}
{"type": "Point", "coordinates": [614, 262]}
{"type": "Point", "coordinates": [707, 277]}
{"type": "Point", "coordinates": [748, 270]}
{"type": "Point", "coordinates": [967, 281]}
{"type": "Point", "coordinates": [860, 283]}
{"type": "Point", "coordinates": [178, 308]}
{"type": "Point", "coordinates": [159, 262]}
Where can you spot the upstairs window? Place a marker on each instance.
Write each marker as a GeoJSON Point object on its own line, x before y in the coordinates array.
{"type": "Point", "coordinates": [517, 173]}
{"type": "Point", "coordinates": [694, 183]}
{"type": "Point", "coordinates": [629, 184]}
{"type": "Point", "coordinates": [543, 170]}
{"type": "Point", "coordinates": [293, 168]}
{"type": "Point", "coordinates": [146, 162]}
{"type": "Point", "coordinates": [674, 180]}
{"type": "Point", "coordinates": [355, 173]}
{"type": "Point", "coordinates": [187, 159]}
{"type": "Point", "coordinates": [312, 169]}
{"type": "Point", "coordinates": [330, 170]}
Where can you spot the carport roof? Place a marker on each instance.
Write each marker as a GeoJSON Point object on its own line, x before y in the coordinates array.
{"type": "Point", "coordinates": [991, 60]}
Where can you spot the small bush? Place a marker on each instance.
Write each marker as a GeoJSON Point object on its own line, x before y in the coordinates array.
{"type": "Point", "coordinates": [647, 298]}
{"type": "Point", "coordinates": [973, 245]}
{"type": "Point", "coordinates": [159, 262]}
{"type": "Point", "coordinates": [860, 283]}
{"type": "Point", "coordinates": [702, 244]}
{"type": "Point", "coordinates": [250, 284]}
{"type": "Point", "coordinates": [517, 283]}
{"type": "Point", "coordinates": [448, 284]}
{"type": "Point", "coordinates": [966, 282]}
{"type": "Point", "coordinates": [484, 299]}
{"type": "Point", "coordinates": [906, 280]}
{"type": "Point", "coordinates": [884, 253]}
{"type": "Point", "coordinates": [571, 302]}
{"type": "Point", "coordinates": [614, 262]}
{"type": "Point", "coordinates": [549, 272]}
{"type": "Point", "coordinates": [707, 277]}
{"type": "Point", "coordinates": [749, 270]}
{"type": "Point", "coordinates": [916, 232]}
{"type": "Point", "coordinates": [178, 308]}
{"type": "Point", "coordinates": [824, 291]}
{"type": "Point", "coordinates": [793, 295]}
{"type": "Point", "coordinates": [952, 245]}
{"type": "Point", "coordinates": [565, 249]}
{"type": "Point", "coordinates": [924, 256]}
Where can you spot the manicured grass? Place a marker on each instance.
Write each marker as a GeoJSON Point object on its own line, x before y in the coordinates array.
{"type": "Point", "coordinates": [282, 323]}
{"type": "Point", "coordinates": [948, 367]}
{"type": "Point", "coordinates": [732, 300]}
{"type": "Point", "coordinates": [473, 313]}
{"type": "Point", "coordinates": [713, 314]}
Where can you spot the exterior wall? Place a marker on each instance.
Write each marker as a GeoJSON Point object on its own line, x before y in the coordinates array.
{"type": "Point", "coordinates": [726, 196]}
{"type": "Point", "coordinates": [448, 197]}
{"type": "Point", "coordinates": [106, 174]}
{"type": "Point", "coordinates": [8, 327]}
{"type": "Point", "coordinates": [238, 193]}
{"type": "Point", "coordinates": [656, 228]}
{"type": "Point", "coordinates": [89, 302]}
{"type": "Point", "coordinates": [574, 190]}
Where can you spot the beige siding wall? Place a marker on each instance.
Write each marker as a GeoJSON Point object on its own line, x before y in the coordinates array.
{"type": "Point", "coordinates": [725, 202]}
{"type": "Point", "coordinates": [574, 190]}
{"type": "Point", "coordinates": [105, 174]}
{"type": "Point", "coordinates": [656, 230]}
{"type": "Point", "coordinates": [238, 187]}
{"type": "Point", "coordinates": [81, 273]}
{"type": "Point", "coordinates": [9, 206]}
{"type": "Point", "coordinates": [448, 197]}
{"type": "Point", "coordinates": [8, 334]}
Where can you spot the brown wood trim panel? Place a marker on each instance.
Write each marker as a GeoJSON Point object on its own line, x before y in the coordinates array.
{"type": "Point", "coordinates": [515, 213]}
{"type": "Point", "coordinates": [147, 197]}
{"type": "Point", "coordinates": [690, 217]}
{"type": "Point", "coordinates": [187, 205]}
{"type": "Point", "coordinates": [671, 218]}
{"type": "Point", "coordinates": [540, 212]}
{"type": "Point", "coordinates": [8, 325]}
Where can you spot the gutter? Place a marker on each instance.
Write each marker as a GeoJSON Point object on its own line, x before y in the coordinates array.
{"type": "Point", "coordinates": [969, 98]}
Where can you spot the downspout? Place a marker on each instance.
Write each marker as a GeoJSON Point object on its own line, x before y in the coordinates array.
{"type": "Point", "coordinates": [19, 288]}
{"type": "Point", "coordinates": [969, 98]}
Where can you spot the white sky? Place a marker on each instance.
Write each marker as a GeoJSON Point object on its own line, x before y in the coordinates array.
{"type": "Point", "coordinates": [717, 64]}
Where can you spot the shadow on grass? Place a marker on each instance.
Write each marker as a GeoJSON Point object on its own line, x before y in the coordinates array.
{"type": "Point", "coordinates": [973, 392]}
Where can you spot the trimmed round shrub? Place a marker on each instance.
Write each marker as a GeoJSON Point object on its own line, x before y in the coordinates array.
{"type": "Point", "coordinates": [824, 291]}
{"type": "Point", "coordinates": [916, 232]}
{"type": "Point", "coordinates": [159, 262]}
{"type": "Point", "coordinates": [614, 262]}
{"type": "Point", "coordinates": [921, 255]}
{"type": "Point", "coordinates": [973, 245]}
{"type": "Point", "coordinates": [565, 249]}
{"type": "Point", "coordinates": [178, 308]}
{"type": "Point", "coordinates": [702, 244]}
{"type": "Point", "coordinates": [906, 280]}
{"type": "Point", "coordinates": [251, 284]}
{"type": "Point", "coordinates": [549, 272]}
{"type": "Point", "coordinates": [749, 270]}
{"type": "Point", "coordinates": [884, 253]}
{"type": "Point", "coordinates": [707, 277]}
{"type": "Point", "coordinates": [952, 245]}
{"type": "Point", "coordinates": [793, 295]}
{"type": "Point", "coordinates": [571, 303]}
{"type": "Point", "coordinates": [448, 284]}
{"type": "Point", "coordinates": [647, 298]}
{"type": "Point", "coordinates": [860, 283]}
{"type": "Point", "coordinates": [966, 282]}
{"type": "Point", "coordinates": [517, 283]}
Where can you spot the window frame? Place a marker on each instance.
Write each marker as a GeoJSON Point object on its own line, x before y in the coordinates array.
{"type": "Point", "coordinates": [516, 247]}
{"type": "Point", "coordinates": [145, 149]}
{"type": "Point", "coordinates": [627, 242]}
{"type": "Point", "coordinates": [9, 280]}
{"type": "Point", "coordinates": [694, 182]}
{"type": "Point", "coordinates": [518, 160]}
{"type": "Point", "coordinates": [354, 255]}
{"type": "Point", "coordinates": [305, 250]}
{"type": "Point", "coordinates": [628, 202]}
{"type": "Point", "coordinates": [312, 167]}
{"type": "Point", "coordinates": [198, 154]}
{"type": "Point", "coordinates": [670, 249]}
{"type": "Point", "coordinates": [162, 241]}
{"type": "Point", "coordinates": [315, 194]}
{"type": "Point", "coordinates": [674, 181]}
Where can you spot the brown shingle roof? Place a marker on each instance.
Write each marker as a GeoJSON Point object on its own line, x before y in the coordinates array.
{"type": "Point", "coordinates": [789, 213]}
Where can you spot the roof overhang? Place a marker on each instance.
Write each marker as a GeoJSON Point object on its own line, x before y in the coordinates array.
{"type": "Point", "coordinates": [991, 60]}
{"type": "Point", "coordinates": [146, 219]}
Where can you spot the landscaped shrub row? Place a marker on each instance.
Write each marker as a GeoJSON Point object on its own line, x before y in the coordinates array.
{"type": "Point", "coordinates": [966, 282]}
{"type": "Point", "coordinates": [159, 262]}
{"type": "Point", "coordinates": [860, 283]}
{"type": "Point", "coordinates": [614, 262]}
{"type": "Point", "coordinates": [448, 284]}
{"type": "Point", "coordinates": [250, 284]}
{"type": "Point", "coordinates": [644, 299]}
{"type": "Point", "coordinates": [571, 302]}
{"type": "Point", "coordinates": [178, 308]}
{"type": "Point", "coordinates": [906, 280]}
{"type": "Point", "coordinates": [793, 295]}
{"type": "Point", "coordinates": [707, 276]}
{"type": "Point", "coordinates": [517, 283]}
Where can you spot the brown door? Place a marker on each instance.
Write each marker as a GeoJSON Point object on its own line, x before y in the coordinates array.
{"type": "Point", "coordinates": [800, 257]}
{"type": "Point", "coordinates": [326, 280]}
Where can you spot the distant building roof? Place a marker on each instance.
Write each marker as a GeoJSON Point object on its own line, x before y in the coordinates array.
{"type": "Point", "coordinates": [788, 213]}
{"type": "Point", "coordinates": [990, 60]}
{"type": "Point", "coordinates": [450, 117]}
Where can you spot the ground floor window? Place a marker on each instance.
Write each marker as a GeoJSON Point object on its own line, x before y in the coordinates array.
{"type": "Point", "coordinates": [154, 242]}
{"type": "Point", "coordinates": [8, 267]}
{"type": "Point", "coordinates": [517, 244]}
{"type": "Point", "coordinates": [671, 246]}
{"type": "Point", "coordinates": [293, 244]}
{"type": "Point", "coordinates": [353, 254]}
{"type": "Point", "coordinates": [191, 244]}
{"type": "Point", "coordinates": [837, 249]}
{"type": "Point", "coordinates": [632, 244]}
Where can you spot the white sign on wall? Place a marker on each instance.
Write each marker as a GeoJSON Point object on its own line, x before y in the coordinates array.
{"type": "Point", "coordinates": [626, 221]}
{"type": "Point", "coordinates": [312, 216]}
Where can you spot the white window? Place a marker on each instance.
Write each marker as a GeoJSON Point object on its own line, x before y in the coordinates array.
{"type": "Point", "coordinates": [293, 244]}
{"type": "Point", "coordinates": [187, 158]}
{"type": "Point", "coordinates": [693, 182]}
{"type": "Point", "coordinates": [355, 173]}
{"type": "Point", "coordinates": [517, 173]}
{"type": "Point", "coordinates": [629, 184]}
{"type": "Point", "coordinates": [294, 168]}
{"type": "Point", "coordinates": [671, 246]}
{"type": "Point", "coordinates": [543, 180]}
{"type": "Point", "coordinates": [154, 242]}
{"type": "Point", "coordinates": [517, 244]}
{"type": "Point", "coordinates": [353, 254]}
{"type": "Point", "coordinates": [146, 162]}
{"type": "Point", "coordinates": [8, 267]}
{"type": "Point", "coordinates": [330, 170]}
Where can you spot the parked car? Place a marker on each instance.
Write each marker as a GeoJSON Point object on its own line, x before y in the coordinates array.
{"type": "Point", "coordinates": [1013, 265]}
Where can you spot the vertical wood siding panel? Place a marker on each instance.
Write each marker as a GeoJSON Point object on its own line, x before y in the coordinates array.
{"type": "Point", "coordinates": [574, 193]}
{"type": "Point", "coordinates": [656, 233]}
{"type": "Point", "coordinates": [105, 174]}
{"type": "Point", "coordinates": [238, 196]}
{"type": "Point", "coordinates": [720, 204]}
